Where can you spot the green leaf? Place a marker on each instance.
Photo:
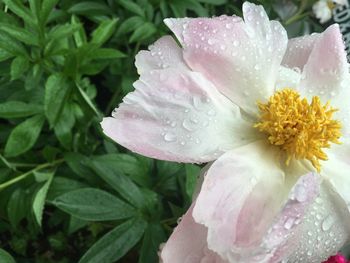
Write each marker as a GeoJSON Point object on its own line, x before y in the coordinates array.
{"type": "Point", "coordinates": [214, 2]}
{"type": "Point", "coordinates": [24, 136]}
{"type": "Point", "coordinates": [20, 34]}
{"type": "Point", "coordinates": [46, 8]}
{"type": "Point", "coordinates": [18, 109]}
{"type": "Point", "coordinates": [18, 66]}
{"type": "Point", "coordinates": [85, 98]}
{"type": "Point", "coordinates": [104, 31]}
{"type": "Point", "coordinates": [153, 237]}
{"type": "Point", "coordinates": [61, 185]}
{"type": "Point", "coordinates": [63, 31]}
{"type": "Point", "coordinates": [89, 8]}
{"type": "Point", "coordinates": [118, 181]}
{"type": "Point", "coordinates": [106, 53]}
{"type": "Point", "coordinates": [79, 35]}
{"type": "Point", "coordinates": [6, 257]}
{"type": "Point", "coordinates": [16, 207]}
{"type": "Point", "coordinates": [116, 243]}
{"type": "Point", "coordinates": [192, 173]}
{"type": "Point", "coordinates": [92, 204]}
{"type": "Point", "coordinates": [56, 92]}
{"type": "Point", "coordinates": [4, 55]}
{"type": "Point", "coordinates": [143, 32]}
{"type": "Point", "coordinates": [11, 45]}
{"type": "Point", "coordinates": [17, 7]}
{"type": "Point", "coordinates": [64, 126]}
{"type": "Point", "coordinates": [132, 7]}
{"type": "Point", "coordinates": [40, 198]}
{"type": "Point", "coordinates": [130, 25]}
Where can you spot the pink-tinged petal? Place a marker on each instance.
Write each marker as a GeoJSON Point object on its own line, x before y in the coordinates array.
{"type": "Point", "coordinates": [241, 193]}
{"type": "Point", "coordinates": [164, 53]}
{"type": "Point", "coordinates": [326, 74]}
{"type": "Point", "coordinates": [337, 169]}
{"type": "Point", "coordinates": [233, 54]}
{"type": "Point", "coordinates": [324, 229]}
{"type": "Point", "coordinates": [327, 67]}
{"type": "Point", "coordinates": [177, 116]}
{"type": "Point", "coordinates": [188, 244]}
{"type": "Point", "coordinates": [299, 50]}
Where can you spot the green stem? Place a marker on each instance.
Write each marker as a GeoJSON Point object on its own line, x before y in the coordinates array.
{"type": "Point", "coordinates": [23, 176]}
{"type": "Point", "coordinates": [299, 14]}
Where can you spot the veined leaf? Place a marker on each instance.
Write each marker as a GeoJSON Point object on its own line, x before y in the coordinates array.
{"type": "Point", "coordinates": [24, 136]}
{"type": "Point", "coordinates": [40, 198]}
{"type": "Point", "coordinates": [103, 32]}
{"type": "Point", "coordinates": [116, 243]}
{"type": "Point", "coordinates": [18, 66]}
{"type": "Point", "coordinates": [56, 91]}
{"type": "Point", "coordinates": [20, 34]}
{"type": "Point", "coordinates": [93, 205]}
{"type": "Point", "coordinates": [18, 109]}
{"type": "Point", "coordinates": [143, 32]}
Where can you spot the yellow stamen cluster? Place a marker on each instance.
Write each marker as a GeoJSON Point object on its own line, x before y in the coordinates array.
{"type": "Point", "coordinates": [299, 128]}
{"type": "Point", "coordinates": [330, 4]}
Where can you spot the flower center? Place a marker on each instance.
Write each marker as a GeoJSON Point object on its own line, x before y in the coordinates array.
{"type": "Point", "coordinates": [299, 128]}
{"type": "Point", "coordinates": [330, 4]}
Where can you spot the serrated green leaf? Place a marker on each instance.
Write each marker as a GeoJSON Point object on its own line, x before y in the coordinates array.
{"type": "Point", "coordinates": [18, 109]}
{"type": "Point", "coordinates": [143, 32]}
{"type": "Point", "coordinates": [24, 136]}
{"type": "Point", "coordinates": [106, 53]}
{"type": "Point", "coordinates": [132, 7]}
{"type": "Point", "coordinates": [92, 204]}
{"type": "Point", "coordinates": [103, 32]}
{"type": "Point", "coordinates": [20, 34]}
{"type": "Point", "coordinates": [116, 243]}
{"type": "Point", "coordinates": [5, 257]}
{"type": "Point", "coordinates": [40, 198]}
{"type": "Point", "coordinates": [56, 92]}
{"type": "Point", "coordinates": [18, 66]}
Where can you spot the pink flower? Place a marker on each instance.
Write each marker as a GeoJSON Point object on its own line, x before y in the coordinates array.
{"type": "Point", "coordinates": [278, 188]}
{"type": "Point", "coordinates": [336, 259]}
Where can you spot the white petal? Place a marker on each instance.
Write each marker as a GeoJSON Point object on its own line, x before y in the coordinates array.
{"type": "Point", "coordinates": [164, 53]}
{"type": "Point", "coordinates": [177, 116]}
{"type": "Point", "coordinates": [234, 54]}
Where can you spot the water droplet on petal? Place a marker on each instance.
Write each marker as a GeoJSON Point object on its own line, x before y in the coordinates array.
{"type": "Point", "coordinates": [169, 137]}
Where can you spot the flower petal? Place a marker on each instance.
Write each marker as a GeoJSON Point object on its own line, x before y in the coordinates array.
{"type": "Point", "coordinates": [233, 54]}
{"type": "Point", "coordinates": [326, 68]}
{"type": "Point", "coordinates": [188, 244]}
{"type": "Point", "coordinates": [238, 198]}
{"type": "Point", "coordinates": [336, 169]}
{"type": "Point", "coordinates": [164, 53]}
{"type": "Point", "coordinates": [326, 74]}
{"type": "Point", "coordinates": [324, 229]}
{"type": "Point", "coordinates": [177, 116]}
{"type": "Point", "coordinates": [298, 51]}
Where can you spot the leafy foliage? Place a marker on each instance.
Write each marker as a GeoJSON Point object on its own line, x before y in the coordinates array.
{"type": "Point", "coordinates": [69, 194]}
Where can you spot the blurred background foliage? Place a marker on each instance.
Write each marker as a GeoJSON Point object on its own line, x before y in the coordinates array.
{"type": "Point", "coordinates": [68, 193]}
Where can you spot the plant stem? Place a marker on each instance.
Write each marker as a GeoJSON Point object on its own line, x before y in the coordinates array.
{"type": "Point", "coordinates": [23, 176]}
